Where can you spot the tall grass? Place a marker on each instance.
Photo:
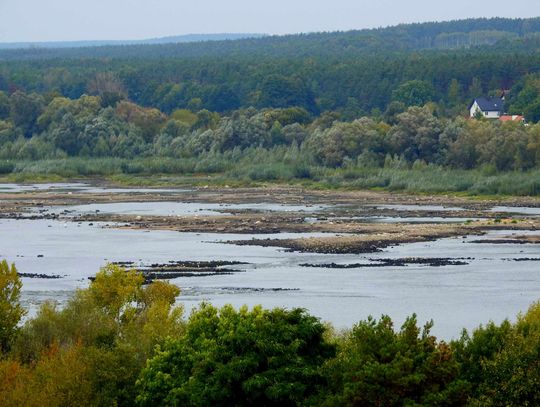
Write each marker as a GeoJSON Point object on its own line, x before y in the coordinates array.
{"type": "Point", "coordinates": [261, 166]}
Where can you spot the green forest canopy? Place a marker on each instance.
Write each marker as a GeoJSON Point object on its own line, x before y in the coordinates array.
{"type": "Point", "coordinates": [355, 72]}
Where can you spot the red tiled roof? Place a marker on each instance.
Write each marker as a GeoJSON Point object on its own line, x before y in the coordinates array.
{"type": "Point", "coordinates": [514, 118]}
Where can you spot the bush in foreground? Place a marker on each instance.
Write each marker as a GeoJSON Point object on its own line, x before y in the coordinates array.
{"type": "Point", "coordinates": [229, 357]}
{"type": "Point", "coordinates": [377, 366]}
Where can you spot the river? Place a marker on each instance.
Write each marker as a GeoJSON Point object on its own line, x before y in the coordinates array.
{"type": "Point", "coordinates": [498, 281]}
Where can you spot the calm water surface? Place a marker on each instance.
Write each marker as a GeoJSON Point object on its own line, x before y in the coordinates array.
{"type": "Point", "coordinates": [179, 208]}
{"type": "Point", "coordinates": [492, 286]}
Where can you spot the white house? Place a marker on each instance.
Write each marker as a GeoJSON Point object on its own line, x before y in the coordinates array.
{"type": "Point", "coordinates": [490, 108]}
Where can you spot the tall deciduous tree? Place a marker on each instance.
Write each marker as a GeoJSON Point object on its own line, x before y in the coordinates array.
{"type": "Point", "coordinates": [414, 93]}
{"type": "Point", "coordinates": [4, 106]}
{"type": "Point", "coordinates": [454, 90]}
{"type": "Point", "coordinates": [25, 109]}
{"type": "Point", "coordinates": [11, 310]}
{"type": "Point", "coordinates": [109, 87]}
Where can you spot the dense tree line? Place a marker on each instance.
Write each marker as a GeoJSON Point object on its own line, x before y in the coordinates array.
{"type": "Point", "coordinates": [34, 127]}
{"type": "Point", "coordinates": [353, 86]}
{"type": "Point", "coordinates": [119, 342]}
{"type": "Point", "coordinates": [356, 73]}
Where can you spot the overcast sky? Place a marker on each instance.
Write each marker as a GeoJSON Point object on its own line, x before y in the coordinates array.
{"type": "Point", "coordinates": [49, 20]}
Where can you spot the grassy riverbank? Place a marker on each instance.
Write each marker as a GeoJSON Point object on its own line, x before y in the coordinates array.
{"type": "Point", "coordinates": [219, 171]}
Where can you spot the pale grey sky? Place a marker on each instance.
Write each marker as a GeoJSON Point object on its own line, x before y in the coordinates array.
{"type": "Point", "coordinates": [49, 20]}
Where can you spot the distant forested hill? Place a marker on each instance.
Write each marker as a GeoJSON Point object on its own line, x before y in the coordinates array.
{"type": "Point", "coordinates": [406, 37]}
{"type": "Point", "coordinates": [353, 73]}
{"type": "Point", "coordinates": [100, 43]}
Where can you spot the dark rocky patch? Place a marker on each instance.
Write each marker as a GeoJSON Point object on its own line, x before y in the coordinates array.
{"type": "Point", "coordinates": [504, 241]}
{"type": "Point", "coordinates": [175, 269]}
{"type": "Point", "coordinates": [256, 289]}
{"type": "Point", "coordinates": [297, 245]}
{"type": "Point", "coordinates": [28, 216]}
{"type": "Point", "coordinates": [41, 276]}
{"type": "Point", "coordinates": [431, 262]}
{"type": "Point", "coordinates": [524, 259]}
{"type": "Point", "coordinates": [169, 275]}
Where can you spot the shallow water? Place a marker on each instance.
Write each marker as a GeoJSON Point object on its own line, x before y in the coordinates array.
{"type": "Point", "coordinates": [518, 210]}
{"type": "Point", "coordinates": [9, 187]}
{"type": "Point", "coordinates": [490, 287]}
{"type": "Point", "coordinates": [178, 208]}
{"type": "Point", "coordinates": [82, 187]}
{"type": "Point", "coordinates": [427, 208]}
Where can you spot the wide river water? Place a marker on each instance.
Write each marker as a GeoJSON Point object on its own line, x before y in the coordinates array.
{"type": "Point", "coordinates": [493, 286]}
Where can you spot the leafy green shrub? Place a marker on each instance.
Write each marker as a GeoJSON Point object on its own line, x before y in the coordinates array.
{"type": "Point", "coordinates": [230, 357]}
{"type": "Point", "coordinates": [502, 362]}
{"type": "Point", "coordinates": [132, 168]}
{"type": "Point", "coordinates": [6, 167]}
{"type": "Point", "coordinates": [377, 366]}
{"type": "Point", "coordinates": [302, 171]}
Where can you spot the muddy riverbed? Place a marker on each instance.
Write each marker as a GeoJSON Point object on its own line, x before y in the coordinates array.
{"type": "Point", "coordinates": [341, 255]}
